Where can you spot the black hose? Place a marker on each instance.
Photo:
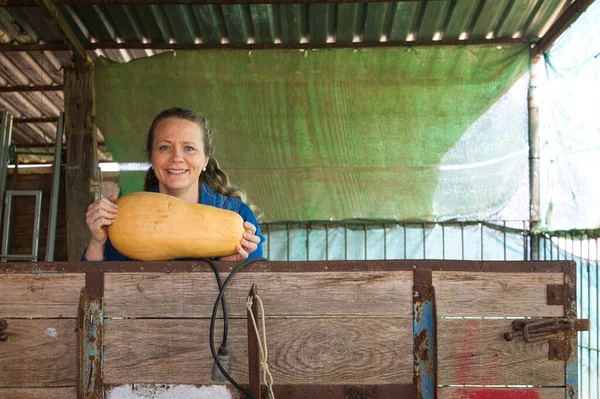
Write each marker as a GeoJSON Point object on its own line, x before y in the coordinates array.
{"type": "Point", "coordinates": [211, 334]}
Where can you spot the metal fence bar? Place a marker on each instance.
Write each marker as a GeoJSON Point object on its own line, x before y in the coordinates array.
{"type": "Point", "coordinates": [345, 241]}
{"type": "Point", "coordinates": [308, 228]}
{"type": "Point", "coordinates": [458, 236]}
{"type": "Point", "coordinates": [268, 241]}
{"type": "Point", "coordinates": [589, 310]}
{"type": "Point", "coordinates": [481, 239]}
{"type": "Point", "coordinates": [462, 240]}
{"type": "Point", "coordinates": [326, 242]}
{"type": "Point", "coordinates": [365, 234]}
{"type": "Point", "coordinates": [443, 241]}
{"type": "Point", "coordinates": [424, 241]}
{"type": "Point", "coordinates": [384, 241]}
{"type": "Point", "coordinates": [287, 226]}
{"type": "Point", "coordinates": [404, 238]}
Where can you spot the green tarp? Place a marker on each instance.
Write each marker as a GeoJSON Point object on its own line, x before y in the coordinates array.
{"type": "Point", "coordinates": [336, 134]}
{"type": "Point", "coordinates": [569, 102]}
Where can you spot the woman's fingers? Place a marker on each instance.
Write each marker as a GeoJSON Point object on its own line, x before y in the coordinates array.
{"type": "Point", "coordinates": [251, 238]}
{"type": "Point", "coordinates": [101, 213]}
{"type": "Point", "coordinates": [95, 214]}
{"type": "Point", "coordinates": [250, 228]}
{"type": "Point", "coordinates": [97, 225]}
{"type": "Point", "coordinates": [242, 252]}
{"type": "Point", "coordinates": [103, 204]}
{"type": "Point", "coordinates": [249, 246]}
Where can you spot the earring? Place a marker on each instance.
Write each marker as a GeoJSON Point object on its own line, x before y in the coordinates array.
{"type": "Point", "coordinates": [204, 169]}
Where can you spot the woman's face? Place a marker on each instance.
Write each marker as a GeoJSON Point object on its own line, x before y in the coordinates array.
{"type": "Point", "coordinates": [178, 156]}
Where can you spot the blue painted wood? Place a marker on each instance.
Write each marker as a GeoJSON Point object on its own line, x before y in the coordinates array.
{"type": "Point", "coordinates": [425, 335]}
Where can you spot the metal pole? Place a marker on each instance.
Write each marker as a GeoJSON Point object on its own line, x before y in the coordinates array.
{"type": "Point", "coordinates": [51, 236]}
{"type": "Point", "coordinates": [534, 160]}
{"type": "Point", "coordinates": [5, 136]}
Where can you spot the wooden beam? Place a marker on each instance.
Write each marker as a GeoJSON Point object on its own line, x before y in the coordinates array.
{"type": "Point", "coordinates": [82, 162]}
{"type": "Point", "coordinates": [52, 119]}
{"type": "Point", "coordinates": [22, 89]}
{"type": "Point", "coordinates": [27, 3]}
{"type": "Point", "coordinates": [5, 48]}
{"type": "Point", "coordinates": [64, 29]}
{"type": "Point", "coordinates": [562, 23]}
{"type": "Point", "coordinates": [46, 145]}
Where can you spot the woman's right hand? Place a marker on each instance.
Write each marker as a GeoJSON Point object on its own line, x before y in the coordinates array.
{"type": "Point", "coordinates": [99, 216]}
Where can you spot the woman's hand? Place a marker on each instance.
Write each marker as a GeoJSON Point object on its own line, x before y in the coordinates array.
{"type": "Point", "coordinates": [248, 244]}
{"type": "Point", "coordinates": [99, 216]}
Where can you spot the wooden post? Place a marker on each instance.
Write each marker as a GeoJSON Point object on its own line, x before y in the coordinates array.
{"type": "Point", "coordinates": [534, 161]}
{"type": "Point", "coordinates": [82, 163]}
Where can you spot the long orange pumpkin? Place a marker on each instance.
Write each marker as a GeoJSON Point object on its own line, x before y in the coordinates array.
{"type": "Point", "coordinates": [153, 226]}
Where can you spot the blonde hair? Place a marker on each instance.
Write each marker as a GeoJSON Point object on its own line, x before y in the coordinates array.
{"type": "Point", "coordinates": [214, 177]}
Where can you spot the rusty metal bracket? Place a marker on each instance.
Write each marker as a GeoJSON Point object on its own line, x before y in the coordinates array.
{"type": "Point", "coordinates": [253, 355]}
{"type": "Point", "coordinates": [90, 384]}
{"type": "Point", "coordinates": [424, 334]}
{"type": "Point", "coordinates": [558, 349]}
{"type": "Point", "coordinates": [556, 294]}
{"type": "Point", "coordinates": [536, 330]}
{"type": "Point", "coordinates": [3, 326]}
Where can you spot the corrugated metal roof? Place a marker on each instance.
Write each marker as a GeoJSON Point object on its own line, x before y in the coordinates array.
{"type": "Point", "coordinates": [99, 25]}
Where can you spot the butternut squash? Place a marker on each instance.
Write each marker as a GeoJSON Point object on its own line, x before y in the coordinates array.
{"type": "Point", "coordinates": [153, 226]}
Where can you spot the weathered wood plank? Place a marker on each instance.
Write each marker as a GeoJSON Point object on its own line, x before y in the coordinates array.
{"type": "Point", "coordinates": [501, 393]}
{"type": "Point", "coordinates": [495, 294]}
{"type": "Point", "coordinates": [39, 353]}
{"type": "Point", "coordinates": [301, 351]}
{"type": "Point", "coordinates": [283, 294]}
{"type": "Point", "coordinates": [40, 295]}
{"type": "Point", "coordinates": [38, 393]}
{"type": "Point", "coordinates": [474, 352]}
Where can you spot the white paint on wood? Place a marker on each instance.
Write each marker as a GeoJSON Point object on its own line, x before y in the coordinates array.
{"type": "Point", "coordinates": [51, 332]}
{"type": "Point", "coordinates": [164, 391]}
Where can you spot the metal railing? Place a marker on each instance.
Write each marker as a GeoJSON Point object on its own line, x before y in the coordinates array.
{"type": "Point", "coordinates": [472, 240]}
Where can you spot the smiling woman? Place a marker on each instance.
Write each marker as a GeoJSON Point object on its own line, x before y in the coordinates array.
{"type": "Point", "coordinates": [180, 149]}
{"type": "Point", "coordinates": [178, 157]}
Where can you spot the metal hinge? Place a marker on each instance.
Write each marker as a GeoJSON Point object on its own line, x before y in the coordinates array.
{"type": "Point", "coordinates": [538, 330]}
{"type": "Point", "coordinates": [535, 330]}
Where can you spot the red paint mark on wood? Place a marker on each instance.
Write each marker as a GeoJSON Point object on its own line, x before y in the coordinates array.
{"type": "Point", "coordinates": [503, 394]}
{"type": "Point", "coordinates": [465, 352]}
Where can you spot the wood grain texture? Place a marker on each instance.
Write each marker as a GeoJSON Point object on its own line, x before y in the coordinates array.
{"type": "Point", "coordinates": [495, 294]}
{"type": "Point", "coordinates": [40, 295]}
{"type": "Point", "coordinates": [38, 393]}
{"type": "Point", "coordinates": [501, 393]}
{"type": "Point", "coordinates": [474, 352]}
{"type": "Point", "coordinates": [82, 160]}
{"type": "Point", "coordinates": [39, 353]}
{"type": "Point", "coordinates": [301, 351]}
{"type": "Point", "coordinates": [346, 294]}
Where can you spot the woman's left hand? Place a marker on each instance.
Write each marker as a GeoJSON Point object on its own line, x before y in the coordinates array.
{"type": "Point", "coordinates": [248, 244]}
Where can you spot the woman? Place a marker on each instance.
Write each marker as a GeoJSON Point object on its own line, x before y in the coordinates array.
{"type": "Point", "coordinates": [180, 148]}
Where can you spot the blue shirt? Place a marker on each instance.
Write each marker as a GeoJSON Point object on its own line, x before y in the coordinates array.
{"type": "Point", "coordinates": [207, 197]}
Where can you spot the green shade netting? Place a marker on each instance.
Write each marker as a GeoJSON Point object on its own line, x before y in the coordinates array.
{"type": "Point", "coordinates": [335, 134]}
